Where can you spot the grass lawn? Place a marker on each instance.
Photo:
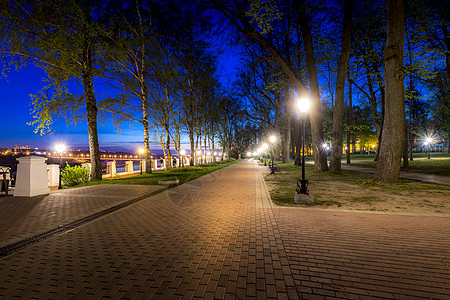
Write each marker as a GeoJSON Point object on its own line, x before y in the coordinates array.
{"type": "Point", "coordinates": [356, 191]}
{"type": "Point", "coordinates": [436, 165]}
{"type": "Point", "coordinates": [183, 175]}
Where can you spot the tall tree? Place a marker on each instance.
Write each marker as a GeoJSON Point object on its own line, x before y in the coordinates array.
{"type": "Point", "coordinates": [254, 20]}
{"type": "Point", "coordinates": [388, 165]}
{"type": "Point", "coordinates": [128, 63]}
{"type": "Point", "coordinates": [338, 112]}
{"type": "Point", "coordinates": [62, 38]}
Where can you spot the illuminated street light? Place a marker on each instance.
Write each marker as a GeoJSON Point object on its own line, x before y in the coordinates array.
{"type": "Point", "coordinates": [427, 144]}
{"type": "Point", "coordinates": [265, 147]}
{"type": "Point", "coordinates": [183, 153]}
{"type": "Point", "coordinates": [60, 148]}
{"type": "Point", "coordinates": [302, 195]}
{"type": "Point", "coordinates": [141, 152]}
{"type": "Point", "coordinates": [272, 140]}
{"type": "Point", "coordinates": [303, 105]}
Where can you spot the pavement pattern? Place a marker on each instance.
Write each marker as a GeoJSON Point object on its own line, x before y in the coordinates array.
{"type": "Point", "coordinates": [219, 237]}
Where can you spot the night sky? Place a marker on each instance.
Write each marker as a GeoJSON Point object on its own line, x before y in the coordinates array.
{"type": "Point", "coordinates": [16, 108]}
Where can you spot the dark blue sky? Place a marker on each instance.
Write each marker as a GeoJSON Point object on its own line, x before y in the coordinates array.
{"type": "Point", "coordinates": [15, 113]}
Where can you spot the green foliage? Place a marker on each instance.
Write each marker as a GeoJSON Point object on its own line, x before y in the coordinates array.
{"type": "Point", "coordinates": [263, 13]}
{"type": "Point", "coordinates": [75, 175]}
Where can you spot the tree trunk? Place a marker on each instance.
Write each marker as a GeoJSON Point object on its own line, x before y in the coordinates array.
{"type": "Point", "coordinates": [338, 112]}
{"type": "Point", "coordinates": [148, 157]}
{"type": "Point", "coordinates": [169, 155]}
{"type": "Point", "coordinates": [91, 110]}
{"type": "Point", "coordinates": [448, 139]}
{"type": "Point", "coordinates": [394, 125]}
{"type": "Point", "coordinates": [193, 154]}
{"type": "Point", "coordinates": [286, 139]}
{"type": "Point", "coordinates": [405, 150]}
{"type": "Point", "coordinates": [320, 158]}
{"type": "Point", "coordinates": [447, 54]}
{"type": "Point", "coordinates": [350, 119]}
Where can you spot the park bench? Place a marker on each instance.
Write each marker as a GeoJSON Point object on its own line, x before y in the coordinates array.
{"type": "Point", "coordinates": [275, 167]}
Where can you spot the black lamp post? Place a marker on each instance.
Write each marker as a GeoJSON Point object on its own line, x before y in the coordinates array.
{"type": "Point", "coordinates": [183, 153]}
{"type": "Point", "coordinates": [302, 184]}
{"type": "Point", "coordinates": [272, 140]}
{"type": "Point", "coordinates": [265, 146]}
{"type": "Point", "coordinates": [428, 144]}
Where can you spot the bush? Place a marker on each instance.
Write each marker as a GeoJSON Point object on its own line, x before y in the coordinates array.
{"type": "Point", "coordinates": [74, 175]}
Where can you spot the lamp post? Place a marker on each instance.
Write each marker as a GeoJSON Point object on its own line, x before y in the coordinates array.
{"type": "Point", "coordinates": [272, 141]}
{"type": "Point", "coordinates": [199, 157]}
{"type": "Point", "coordinates": [265, 147]}
{"type": "Point", "coordinates": [427, 143]}
{"type": "Point", "coordinates": [183, 153]}
{"type": "Point", "coordinates": [302, 184]}
{"type": "Point", "coordinates": [141, 152]}
{"type": "Point", "coordinates": [60, 149]}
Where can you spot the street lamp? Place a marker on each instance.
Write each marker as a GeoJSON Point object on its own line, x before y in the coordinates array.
{"type": "Point", "coordinates": [265, 147]}
{"type": "Point", "coordinates": [302, 184]}
{"type": "Point", "coordinates": [183, 153]}
{"type": "Point", "coordinates": [141, 152]}
{"type": "Point", "coordinates": [272, 141]}
{"type": "Point", "coordinates": [427, 143]}
{"type": "Point", "coordinates": [60, 149]}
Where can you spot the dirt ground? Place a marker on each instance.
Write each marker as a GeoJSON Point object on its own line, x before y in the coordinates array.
{"type": "Point", "coordinates": [411, 198]}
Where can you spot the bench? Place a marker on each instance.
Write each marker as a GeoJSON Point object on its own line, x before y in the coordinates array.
{"type": "Point", "coordinates": [275, 167]}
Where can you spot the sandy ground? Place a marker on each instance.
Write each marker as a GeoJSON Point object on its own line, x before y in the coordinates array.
{"type": "Point", "coordinates": [422, 198]}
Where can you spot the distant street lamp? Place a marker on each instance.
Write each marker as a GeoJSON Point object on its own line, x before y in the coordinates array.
{"type": "Point", "coordinates": [272, 141]}
{"type": "Point", "coordinates": [302, 184]}
{"type": "Point", "coordinates": [183, 153]}
{"type": "Point", "coordinates": [60, 149]}
{"type": "Point", "coordinates": [265, 147]}
{"type": "Point", "coordinates": [141, 152]}
{"type": "Point", "coordinates": [427, 143]}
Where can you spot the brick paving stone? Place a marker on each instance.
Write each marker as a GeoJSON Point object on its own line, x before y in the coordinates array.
{"type": "Point", "coordinates": [219, 237]}
{"type": "Point", "coordinates": [22, 217]}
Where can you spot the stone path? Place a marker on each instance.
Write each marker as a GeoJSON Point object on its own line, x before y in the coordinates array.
{"type": "Point", "coordinates": [22, 217]}
{"type": "Point", "coordinates": [219, 237]}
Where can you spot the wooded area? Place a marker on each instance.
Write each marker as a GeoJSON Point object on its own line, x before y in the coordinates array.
{"type": "Point", "coordinates": [377, 72]}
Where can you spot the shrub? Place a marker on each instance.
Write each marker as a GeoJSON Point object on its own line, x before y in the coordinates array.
{"type": "Point", "coordinates": [74, 175]}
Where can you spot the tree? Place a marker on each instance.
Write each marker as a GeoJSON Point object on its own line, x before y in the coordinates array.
{"type": "Point", "coordinates": [338, 112]}
{"type": "Point", "coordinates": [254, 20]}
{"type": "Point", "coordinates": [388, 165]}
{"type": "Point", "coordinates": [62, 38]}
{"type": "Point", "coordinates": [127, 63]}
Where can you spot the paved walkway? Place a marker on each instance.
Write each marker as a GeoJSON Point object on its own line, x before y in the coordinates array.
{"type": "Point", "coordinates": [219, 237]}
{"type": "Point", "coordinates": [23, 217]}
